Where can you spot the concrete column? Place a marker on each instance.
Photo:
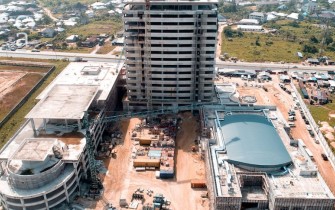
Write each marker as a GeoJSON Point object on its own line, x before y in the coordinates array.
{"type": "Point", "coordinates": [84, 166]}
{"type": "Point", "coordinates": [22, 204]}
{"type": "Point", "coordinates": [75, 165]}
{"type": "Point", "coordinates": [46, 201]}
{"type": "Point", "coordinates": [1, 168]}
{"type": "Point", "coordinates": [66, 193]}
{"type": "Point", "coordinates": [66, 124]}
{"type": "Point", "coordinates": [79, 124]}
{"type": "Point", "coordinates": [45, 124]}
{"type": "Point", "coordinates": [33, 126]}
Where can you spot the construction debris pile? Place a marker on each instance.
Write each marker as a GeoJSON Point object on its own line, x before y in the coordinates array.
{"type": "Point", "coordinates": [111, 138]}
{"type": "Point", "coordinates": [154, 146]}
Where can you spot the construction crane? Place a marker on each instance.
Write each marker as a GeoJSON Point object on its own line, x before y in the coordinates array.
{"type": "Point", "coordinates": [119, 62]}
{"type": "Point", "coordinates": [148, 55]}
{"type": "Point", "coordinates": [96, 187]}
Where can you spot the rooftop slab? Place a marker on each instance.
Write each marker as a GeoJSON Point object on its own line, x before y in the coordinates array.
{"type": "Point", "coordinates": [34, 149]}
{"type": "Point", "coordinates": [64, 102]}
{"type": "Point", "coordinates": [103, 75]}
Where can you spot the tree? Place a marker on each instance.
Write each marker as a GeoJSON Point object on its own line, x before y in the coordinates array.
{"type": "Point", "coordinates": [228, 32]}
{"type": "Point", "coordinates": [328, 40]}
{"type": "Point", "coordinates": [313, 39]}
{"type": "Point", "coordinates": [294, 24]}
{"type": "Point", "coordinates": [45, 20]}
{"type": "Point", "coordinates": [257, 41]}
{"type": "Point", "coordinates": [310, 49]}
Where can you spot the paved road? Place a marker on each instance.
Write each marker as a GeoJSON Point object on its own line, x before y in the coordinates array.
{"type": "Point", "coordinates": [58, 55]}
{"type": "Point", "coordinates": [114, 59]}
{"type": "Point", "coordinates": [273, 66]}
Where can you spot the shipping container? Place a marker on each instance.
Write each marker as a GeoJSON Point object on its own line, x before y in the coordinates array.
{"type": "Point", "coordinates": [304, 93]}
{"type": "Point", "coordinates": [146, 163]}
{"type": "Point", "coordinates": [164, 174]}
{"type": "Point", "coordinates": [198, 183]}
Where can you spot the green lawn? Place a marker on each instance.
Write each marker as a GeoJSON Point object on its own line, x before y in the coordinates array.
{"type": "Point", "coordinates": [106, 48]}
{"type": "Point", "coordinates": [245, 48]}
{"type": "Point", "coordinates": [321, 113]}
{"type": "Point", "coordinates": [281, 46]}
{"type": "Point", "coordinates": [18, 118]}
{"type": "Point", "coordinates": [108, 26]}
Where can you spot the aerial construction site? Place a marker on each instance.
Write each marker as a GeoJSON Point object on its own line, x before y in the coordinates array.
{"type": "Point", "coordinates": [165, 131]}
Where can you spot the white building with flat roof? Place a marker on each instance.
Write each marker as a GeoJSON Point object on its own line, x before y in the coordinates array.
{"type": "Point", "coordinates": [250, 28]}
{"type": "Point", "coordinates": [260, 16]}
{"type": "Point", "coordinates": [42, 164]}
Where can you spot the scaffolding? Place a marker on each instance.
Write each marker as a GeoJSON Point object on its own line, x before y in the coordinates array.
{"type": "Point", "coordinates": [148, 56]}
{"type": "Point", "coordinates": [196, 68]}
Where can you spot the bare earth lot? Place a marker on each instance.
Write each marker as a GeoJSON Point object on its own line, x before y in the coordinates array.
{"type": "Point", "coordinates": [122, 178]}
{"type": "Point", "coordinates": [15, 83]}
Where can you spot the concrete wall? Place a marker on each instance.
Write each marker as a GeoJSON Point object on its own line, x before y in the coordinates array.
{"type": "Point", "coordinates": [47, 199]}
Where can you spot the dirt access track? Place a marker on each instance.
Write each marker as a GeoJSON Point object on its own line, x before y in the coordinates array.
{"type": "Point", "coordinates": [122, 178]}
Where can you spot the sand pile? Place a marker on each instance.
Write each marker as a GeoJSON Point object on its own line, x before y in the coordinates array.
{"type": "Point", "coordinates": [327, 130]}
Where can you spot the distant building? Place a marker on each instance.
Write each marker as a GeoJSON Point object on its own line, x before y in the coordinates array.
{"type": "Point", "coordinates": [264, 76]}
{"type": "Point", "coordinates": [284, 78]}
{"type": "Point", "coordinates": [248, 22]}
{"type": "Point", "coordinates": [330, 62]}
{"type": "Point", "coordinates": [310, 7]}
{"type": "Point", "coordinates": [90, 42]}
{"type": "Point", "coordinates": [258, 16]}
{"type": "Point", "coordinates": [90, 13]}
{"type": "Point", "coordinates": [320, 96]}
{"type": "Point", "coordinates": [118, 41]}
{"type": "Point", "coordinates": [313, 61]}
{"type": "Point", "coordinates": [48, 32]}
{"type": "Point", "coordinates": [293, 16]}
{"type": "Point", "coordinates": [250, 28]}
{"type": "Point", "coordinates": [221, 18]}
{"type": "Point", "coordinates": [72, 38]}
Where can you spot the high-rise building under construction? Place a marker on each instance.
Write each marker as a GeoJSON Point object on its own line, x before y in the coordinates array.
{"type": "Point", "coordinates": [170, 52]}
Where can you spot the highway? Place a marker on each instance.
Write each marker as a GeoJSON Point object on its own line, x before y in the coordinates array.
{"type": "Point", "coordinates": [58, 55]}
{"type": "Point", "coordinates": [111, 58]}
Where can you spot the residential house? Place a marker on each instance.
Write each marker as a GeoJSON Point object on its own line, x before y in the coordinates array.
{"type": "Point", "coordinates": [320, 96]}
{"type": "Point", "coordinates": [313, 61]}
{"type": "Point", "coordinates": [90, 42]}
{"type": "Point", "coordinates": [284, 78]}
{"type": "Point", "coordinates": [90, 13]}
{"type": "Point", "coordinates": [72, 38]}
{"type": "Point", "coordinates": [310, 7]}
{"type": "Point", "coordinates": [264, 76]}
{"type": "Point", "coordinates": [118, 41]}
{"type": "Point", "coordinates": [293, 16]}
{"type": "Point", "coordinates": [258, 16]}
{"type": "Point", "coordinates": [330, 62]}
{"type": "Point", "coordinates": [48, 32]}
